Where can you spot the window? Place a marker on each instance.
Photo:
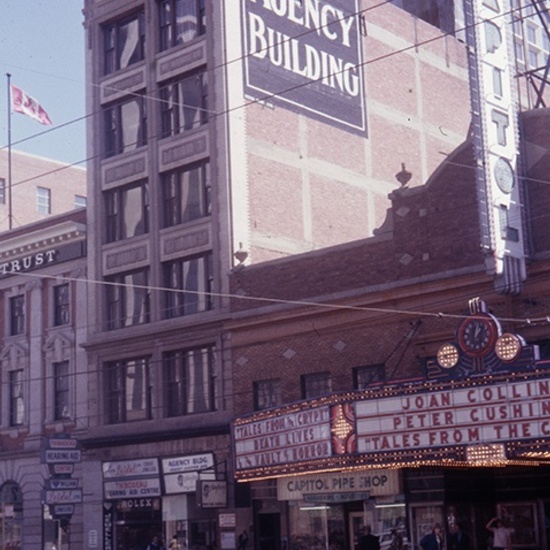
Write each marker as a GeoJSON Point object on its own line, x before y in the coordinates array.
{"type": "Point", "coordinates": [189, 381]}
{"type": "Point", "coordinates": [127, 212]}
{"type": "Point", "coordinates": [80, 201]}
{"type": "Point", "coordinates": [43, 200]}
{"type": "Point", "coordinates": [2, 190]}
{"type": "Point", "coordinates": [127, 390]}
{"type": "Point", "coordinates": [61, 390]}
{"type": "Point", "coordinates": [123, 43]}
{"type": "Point", "coordinates": [127, 298]}
{"type": "Point", "coordinates": [316, 384]}
{"type": "Point", "coordinates": [533, 58]}
{"type": "Point", "coordinates": [193, 276]}
{"type": "Point", "coordinates": [267, 393]}
{"type": "Point", "coordinates": [17, 315]}
{"type": "Point", "coordinates": [61, 299]}
{"type": "Point", "coordinates": [186, 194]}
{"type": "Point", "coordinates": [17, 403]}
{"type": "Point", "coordinates": [125, 126]}
{"type": "Point", "coordinates": [184, 104]}
{"type": "Point", "coordinates": [180, 21]}
{"type": "Point", "coordinates": [363, 377]}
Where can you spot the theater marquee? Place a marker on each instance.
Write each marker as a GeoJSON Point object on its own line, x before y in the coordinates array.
{"type": "Point", "coordinates": [306, 56]}
{"type": "Point", "coordinates": [502, 417]}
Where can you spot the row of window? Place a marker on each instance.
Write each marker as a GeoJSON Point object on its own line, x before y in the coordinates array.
{"type": "Point", "coordinates": [185, 196]}
{"type": "Point", "coordinates": [179, 21]}
{"type": "Point", "coordinates": [187, 287]}
{"type": "Point", "coordinates": [43, 198]}
{"type": "Point", "coordinates": [188, 386]}
{"type": "Point", "coordinates": [61, 309]}
{"type": "Point", "coordinates": [16, 394]}
{"type": "Point", "coordinates": [267, 393]}
{"type": "Point", "coordinates": [183, 106]}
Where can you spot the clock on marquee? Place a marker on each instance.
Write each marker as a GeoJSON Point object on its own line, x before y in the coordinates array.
{"type": "Point", "coordinates": [504, 175]}
{"type": "Point", "coordinates": [477, 335]}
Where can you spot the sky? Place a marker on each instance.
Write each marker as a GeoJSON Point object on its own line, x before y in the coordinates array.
{"type": "Point", "coordinates": [42, 47]}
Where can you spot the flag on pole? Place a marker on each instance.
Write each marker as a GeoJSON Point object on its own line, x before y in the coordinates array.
{"type": "Point", "coordinates": [27, 105]}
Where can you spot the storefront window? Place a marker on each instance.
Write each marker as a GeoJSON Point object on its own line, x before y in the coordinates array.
{"type": "Point", "coordinates": [308, 526]}
{"type": "Point", "coordinates": [423, 520]}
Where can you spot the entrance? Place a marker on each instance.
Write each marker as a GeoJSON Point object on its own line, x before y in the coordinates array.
{"type": "Point", "coordinates": [268, 531]}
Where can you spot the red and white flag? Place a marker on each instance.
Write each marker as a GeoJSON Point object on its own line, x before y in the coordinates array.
{"type": "Point", "coordinates": [27, 105]}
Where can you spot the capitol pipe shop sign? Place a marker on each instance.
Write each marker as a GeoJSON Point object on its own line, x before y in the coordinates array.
{"type": "Point", "coordinates": [419, 423]}
{"type": "Point", "coordinates": [306, 56]}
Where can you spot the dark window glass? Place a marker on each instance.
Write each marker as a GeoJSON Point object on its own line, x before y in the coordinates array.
{"type": "Point", "coordinates": [123, 43]}
{"type": "Point", "coordinates": [189, 381]}
{"type": "Point", "coordinates": [127, 392]}
{"type": "Point", "coordinates": [267, 393]}
{"type": "Point", "coordinates": [316, 384]}
{"type": "Point", "coordinates": [125, 126]}
{"type": "Point", "coordinates": [186, 194]}
{"type": "Point", "coordinates": [17, 315]}
{"type": "Point", "coordinates": [190, 284]}
{"type": "Point", "coordinates": [127, 297]}
{"type": "Point", "coordinates": [127, 212]}
{"type": "Point", "coordinates": [17, 403]}
{"type": "Point", "coordinates": [180, 21]}
{"type": "Point", "coordinates": [363, 377]}
{"type": "Point", "coordinates": [62, 309]}
{"type": "Point", "coordinates": [2, 191]}
{"type": "Point", "coordinates": [61, 390]}
{"type": "Point", "coordinates": [184, 104]}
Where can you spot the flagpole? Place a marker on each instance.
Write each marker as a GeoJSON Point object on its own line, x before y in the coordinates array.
{"type": "Point", "coordinates": [9, 152]}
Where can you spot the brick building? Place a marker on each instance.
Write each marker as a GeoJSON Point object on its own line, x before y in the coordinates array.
{"type": "Point", "coordinates": [40, 188]}
{"type": "Point", "coordinates": [370, 323]}
{"type": "Point", "coordinates": [228, 134]}
{"type": "Point", "coordinates": [43, 324]}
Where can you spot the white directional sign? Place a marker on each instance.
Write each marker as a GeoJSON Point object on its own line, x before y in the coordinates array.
{"type": "Point", "coordinates": [56, 456]}
{"type": "Point", "coordinates": [60, 496]}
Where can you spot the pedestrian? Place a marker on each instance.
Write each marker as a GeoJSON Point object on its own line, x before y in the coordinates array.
{"type": "Point", "coordinates": [174, 544]}
{"type": "Point", "coordinates": [368, 541]}
{"type": "Point", "coordinates": [502, 535]}
{"type": "Point", "coordinates": [243, 540]}
{"type": "Point", "coordinates": [459, 540]}
{"type": "Point", "coordinates": [155, 544]}
{"type": "Point", "coordinates": [433, 540]}
{"type": "Point", "coordinates": [396, 541]}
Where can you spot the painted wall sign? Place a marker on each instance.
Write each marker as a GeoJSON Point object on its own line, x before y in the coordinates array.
{"type": "Point", "coordinates": [376, 482]}
{"type": "Point", "coordinates": [306, 55]}
{"type": "Point", "coordinates": [496, 136]}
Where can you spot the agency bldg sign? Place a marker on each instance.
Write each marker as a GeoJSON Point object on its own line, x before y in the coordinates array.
{"type": "Point", "coordinates": [306, 55]}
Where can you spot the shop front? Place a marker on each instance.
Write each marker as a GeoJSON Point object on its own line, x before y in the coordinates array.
{"type": "Point", "coordinates": [157, 497]}
{"type": "Point", "coordinates": [467, 442]}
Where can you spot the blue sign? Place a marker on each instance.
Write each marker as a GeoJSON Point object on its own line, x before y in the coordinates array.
{"type": "Point", "coordinates": [306, 55]}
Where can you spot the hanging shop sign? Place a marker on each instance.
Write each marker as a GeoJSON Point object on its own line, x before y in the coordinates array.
{"type": "Point", "coordinates": [130, 468]}
{"type": "Point", "coordinates": [496, 136]}
{"type": "Point", "coordinates": [212, 494]}
{"type": "Point", "coordinates": [132, 488]}
{"type": "Point", "coordinates": [181, 473]}
{"type": "Point", "coordinates": [306, 56]}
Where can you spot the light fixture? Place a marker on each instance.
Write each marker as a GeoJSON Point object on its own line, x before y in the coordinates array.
{"type": "Point", "coordinates": [447, 356]}
{"type": "Point", "coordinates": [508, 347]}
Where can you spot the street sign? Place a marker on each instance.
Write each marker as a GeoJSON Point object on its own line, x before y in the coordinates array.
{"type": "Point", "coordinates": [60, 496]}
{"type": "Point", "coordinates": [61, 483]}
{"type": "Point", "coordinates": [63, 456]}
{"type": "Point", "coordinates": [62, 510]}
